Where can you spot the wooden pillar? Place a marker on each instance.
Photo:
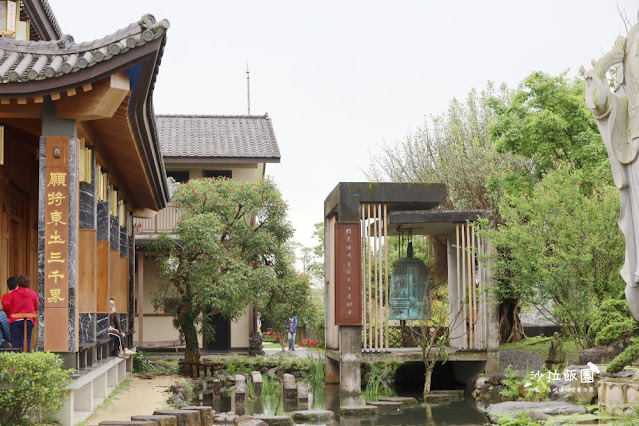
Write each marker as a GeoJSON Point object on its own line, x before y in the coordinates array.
{"type": "Point", "coordinates": [139, 262]}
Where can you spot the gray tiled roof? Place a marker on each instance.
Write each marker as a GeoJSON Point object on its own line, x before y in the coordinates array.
{"type": "Point", "coordinates": [217, 136]}
{"type": "Point", "coordinates": [22, 61]}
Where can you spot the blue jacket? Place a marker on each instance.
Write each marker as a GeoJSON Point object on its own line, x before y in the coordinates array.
{"type": "Point", "coordinates": [5, 331]}
{"type": "Point", "coordinates": [291, 328]}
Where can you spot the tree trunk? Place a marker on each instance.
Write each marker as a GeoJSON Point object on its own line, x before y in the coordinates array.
{"type": "Point", "coordinates": [510, 327]}
{"type": "Point", "coordinates": [188, 329]}
{"type": "Point", "coordinates": [428, 376]}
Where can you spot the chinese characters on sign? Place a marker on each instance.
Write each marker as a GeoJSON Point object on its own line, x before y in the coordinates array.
{"type": "Point", "coordinates": [56, 226]}
{"type": "Point", "coordinates": [542, 379]}
{"type": "Point", "coordinates": [348, 264]}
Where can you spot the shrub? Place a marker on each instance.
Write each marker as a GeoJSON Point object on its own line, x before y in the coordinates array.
{"type": "Point", "coordinates": [32, 384]}
{"type": "Point", "coordinates": [141, 364]}
{"type": "Point", "coordinates": [308, 343]}
{"type": "Point", "coordinates": [627, 357]}
{"type": "Point", "coordinates": [511, 382]}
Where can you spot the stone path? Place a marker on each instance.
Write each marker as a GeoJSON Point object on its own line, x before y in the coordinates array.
{"type": "Point", "coordinates": [142, 396]}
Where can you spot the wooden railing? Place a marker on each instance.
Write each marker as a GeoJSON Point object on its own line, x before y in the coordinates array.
{"type": "Point", "coordinates": [164, 221]}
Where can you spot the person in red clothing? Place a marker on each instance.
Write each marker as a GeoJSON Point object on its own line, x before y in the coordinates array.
{"type": "Point", "coordinates": [12, 283]}
{"type": "Point", "coordinates": [21, 301]}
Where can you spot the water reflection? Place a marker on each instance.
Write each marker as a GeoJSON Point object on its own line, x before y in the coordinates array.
{"type": "Point", "coordinates": [462, 412]}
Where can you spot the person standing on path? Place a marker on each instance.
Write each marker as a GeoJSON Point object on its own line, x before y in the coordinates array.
{"type": "Point", "coordinates": [292, 330]}
{"type": "Point", "coordinates": [23, 300]}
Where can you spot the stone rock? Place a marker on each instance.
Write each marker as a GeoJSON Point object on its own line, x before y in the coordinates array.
{"type": "Point", "coordinates": [444, 395]}
{"type": "Point", "coordinates": [256, 376]}
{"type": "Point", "coordinates": [255, 345]}
{"type": "Point", "coordinates": [600, 354]}
{"type": "Point", "coordinates": [548, 408]}
{"type": "Point", "coordinates": [495, 379]}
{"type": "Point", "coordinates": [272, 372]}
{"type": "Point", "coordinates": [225, 418]}
{"type": "Point", "coordinates": [406, 400]}
{"type": "Point", "coordinates": [217, 385]}
{"type": "Point", "coordinates": [247, 420]}
{"type": "Point", "coordinates": [240, 389]}
{"type": "Point", "coordinates": [206, 413]}
{"type": "Point", "coordinates": [140, 423]}
{"type": "Point", "coordinates": [276, 420]}
{"type": "Point", "coordinates": [313, 415]}
{"type": "Point", "coordinates": [358, 410]}
{"type": "Point", "coordinates": [302, 393]}
{"type": "Point", "coordinates": [290, 389]}
{"type": "Point", "coordinates": [184, 417]}
{"type": "Point", "coordinates": [386, 406]}
{"type": "Point", "coordinates": [158, 420]}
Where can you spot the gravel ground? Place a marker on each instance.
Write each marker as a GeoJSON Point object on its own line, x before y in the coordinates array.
{"type": "Point", "coordinates": [521, 361]}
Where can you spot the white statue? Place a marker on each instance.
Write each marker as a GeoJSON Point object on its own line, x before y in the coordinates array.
{"type": "Point", "coordinates": [617, 115]}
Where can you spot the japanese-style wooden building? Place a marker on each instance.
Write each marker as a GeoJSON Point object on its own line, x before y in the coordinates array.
{"type": "Point", "coordinates": [80, 158]}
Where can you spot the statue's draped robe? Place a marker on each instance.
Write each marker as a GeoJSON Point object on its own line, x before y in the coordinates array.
{"type": "Point", "coordinates": [620, 133]}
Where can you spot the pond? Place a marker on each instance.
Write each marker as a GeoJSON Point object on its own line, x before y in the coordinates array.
{"type": "Point", "coordinates": [457, 412]}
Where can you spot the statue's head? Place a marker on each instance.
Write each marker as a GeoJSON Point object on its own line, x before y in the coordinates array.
{"type": "Point", "coordinates": [555, 335]}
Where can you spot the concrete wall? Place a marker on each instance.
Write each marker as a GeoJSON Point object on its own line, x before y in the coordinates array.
{"type": "Point", "coordinates": [242, 172]}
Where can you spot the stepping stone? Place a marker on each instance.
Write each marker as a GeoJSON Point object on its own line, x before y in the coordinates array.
{"type": "Point", "coordinates": [540, 409]}
{"type": "Point", "coordinates": [406, 400]}
{"type": "Point", "coordinates": [302, 393]}
{"type": "Point", "coordinates": [240, 389]}
{"type": "Point", "coordinates": [140, 423]}
{"type": "Point", "coordinates": [248, 420]}
{"type": "Point", "coordinates": [276, 420]}
{"type": "Point", "coordinates": [358, 410]}
{"type": "Point", "coordinates": [158, 420]}
{"type": "Point", "coordinates": [184, 417]}
{"type": "Point", "coordinates": [290, 390]}
{"type": "Point", "coordinates": [217, 385]}
{"type": "Point", "coordinates": [386, 406]}
{"type": "Point", "coordinates": [257, 383]}
{"type": "Point", "coordinates": [443, 395]}
{"type": "Point", "coordinates": [206, 413]}
{"type": "Point", "coordinates": [313, 415]}
{"type": "Point", "coordinates": [225, 418]}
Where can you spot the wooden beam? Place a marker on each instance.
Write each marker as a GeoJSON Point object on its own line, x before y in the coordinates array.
{"type": "Point", "coordinates": [22, 101]}
{"type": "Point", "coordinates": [38, 99]}
{"type": "Point", "coordinates": [5, 101]}
{"type": "Point", "coordinates": [55, 96]}
{"type": "Point", "coordinates": [85, 132]}
{"type": "Point", "coordinates": [20, 111]}
{"type": "Point", "coordinates": [101, 102]}
{"type": "Point", "coordinates": [87, 87]}
{"type": "Point", "coordinates": [71, 92]}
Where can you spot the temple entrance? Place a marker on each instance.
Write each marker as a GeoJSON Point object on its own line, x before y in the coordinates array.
{"type": "Point", "coordinates": [222, 340]}
{"type": "Point", "coordinates": [17, 233]}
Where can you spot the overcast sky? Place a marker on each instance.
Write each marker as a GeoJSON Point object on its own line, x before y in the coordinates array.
{"type": "Point", "coordinates": [340, 78]}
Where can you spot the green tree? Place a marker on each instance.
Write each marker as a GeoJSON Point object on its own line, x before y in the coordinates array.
{"type": "Point", "coordinates": [229, 249]}
{"type": "Point", "coordinates": [560, 248]}
{"type": "Point", "coordinates": [547, 121]}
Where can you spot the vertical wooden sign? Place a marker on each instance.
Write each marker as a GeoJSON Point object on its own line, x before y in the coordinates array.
{"type": "Point", "coordinates": [348, 274]}
{"type": "Point", "coordinates": [56, 245]}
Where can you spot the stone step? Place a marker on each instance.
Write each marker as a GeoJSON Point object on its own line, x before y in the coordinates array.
{"type": "Point", "coordinates": [290, 389]}
{"type": "Point", "coordinates": [358, 410]}
{"type": "Point", "coordinates": [386, 406]}
{"type": "Point", "coordinates": [206, 413]}
{"type": "Point", "coordinates": [444, 395]}
{"type": "Point", "coordinates": [406, 400]}
{"type": "Point", "coordinates": [276, 420]}
{"type": "Point", "coordinates": [256, 376]}
{"type": "Point", "coordinates": [184, 417]}
{"type": "Point", "coordinates": [313, 415]}
{"type": "Point", "coordinates": [159, 420]}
